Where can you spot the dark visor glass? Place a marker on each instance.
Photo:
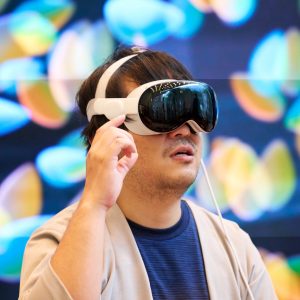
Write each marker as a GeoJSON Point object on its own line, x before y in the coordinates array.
{"type": "Point", "coordinates": [165, 107]}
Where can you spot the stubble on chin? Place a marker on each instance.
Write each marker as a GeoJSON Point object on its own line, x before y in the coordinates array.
{"type": "Point", "coordinates": [152, 183]}
{"type": "Point", "coordinates": [179, 183]}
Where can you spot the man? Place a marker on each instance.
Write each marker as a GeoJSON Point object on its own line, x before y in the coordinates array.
{"type": "Point", "coordinates": [131, 236]}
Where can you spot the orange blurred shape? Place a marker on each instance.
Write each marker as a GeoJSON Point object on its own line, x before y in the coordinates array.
{"type": "Point", "coordinates": [260, 107]}
{"type": "Point", "coordinates": [21, 192]}
{"type": "Point", "coordinates": [25, 33]}
{"type": "Point", "coordinates": [37, 97]}
{"type": "Point", "coordinates": [285, 281]}
{"type": "Point", "coordinates": [9, 47]}
{"type": "Point", "coordinates": [202, 5]}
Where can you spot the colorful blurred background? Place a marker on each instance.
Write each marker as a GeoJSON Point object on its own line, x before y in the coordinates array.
{"type": "Point", "coordinates": [248, 50]}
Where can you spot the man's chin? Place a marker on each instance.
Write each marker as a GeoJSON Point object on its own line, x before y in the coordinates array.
{"type": "Point", "coordinates": [181, 183]}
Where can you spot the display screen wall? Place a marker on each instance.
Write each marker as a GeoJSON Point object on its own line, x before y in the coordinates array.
{"type": "Point", "coordinates": [249, 51]}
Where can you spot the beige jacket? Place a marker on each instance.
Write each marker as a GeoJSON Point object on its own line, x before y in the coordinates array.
{"type": "Point", "coordinates": [125, 276]}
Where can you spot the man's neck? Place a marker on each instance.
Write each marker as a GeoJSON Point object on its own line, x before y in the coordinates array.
{"type": "Point", "coordinates": [159, 212]}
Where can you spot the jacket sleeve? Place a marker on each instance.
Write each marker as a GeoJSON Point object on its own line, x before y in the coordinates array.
{"type": "Point", "coordinates": [258, 277]}
{"type": "Point", "coordinates": [38, 279]}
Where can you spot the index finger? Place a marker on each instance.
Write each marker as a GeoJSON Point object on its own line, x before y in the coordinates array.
{"type": "Point", "coordinates": [115, 122]}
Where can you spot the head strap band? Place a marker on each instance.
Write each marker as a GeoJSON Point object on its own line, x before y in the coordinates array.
{"type": "Point", "coordinates": [104, 79]}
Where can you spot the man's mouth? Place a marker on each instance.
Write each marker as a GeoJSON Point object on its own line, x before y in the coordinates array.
{"type": "Point", "coordinates": [183, 151]}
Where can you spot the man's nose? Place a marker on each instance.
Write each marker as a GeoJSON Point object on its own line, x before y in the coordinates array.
{"type": "Point", "coordinates": [182, 131]}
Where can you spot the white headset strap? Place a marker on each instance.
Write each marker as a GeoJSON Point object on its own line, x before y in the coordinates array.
{"type": "Point", "coordinates": [104, 79]}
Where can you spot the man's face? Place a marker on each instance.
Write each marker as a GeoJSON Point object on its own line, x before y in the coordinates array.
{"type": "Point", "coordinates": [166, 161]}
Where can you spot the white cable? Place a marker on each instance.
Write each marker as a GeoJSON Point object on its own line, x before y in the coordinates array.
{"type": "Point", "coordinates": [225, 231]}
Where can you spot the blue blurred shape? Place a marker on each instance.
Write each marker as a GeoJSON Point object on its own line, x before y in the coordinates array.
{"type": "Point", "coordinates": [14, 70]}
{"type": "Point", "coordinates": [73, 139]}
{"type": "Point", "coordinates": [57, 11]}
{"type": "Point", "coordinates": [12, 116]}
{"type": "Point", "coordinates": [61, 166]}
{"type": "Point", "coordinates": [234, 12]}
{"type": "Point", "coordinates": [264, 65]}
{"type": "Point", "coordinates": [245, 10]}
{"type": "Point", "coordinates": [193, 19]}
{"type": "Point", "coordinates": [292, 118]}
{"type": "Point", "coordinates": [13, 239]}
{"type": "Point", "coordinates": [142, 22]}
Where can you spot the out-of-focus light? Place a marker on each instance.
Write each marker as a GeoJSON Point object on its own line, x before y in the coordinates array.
{"type": "Point", "coordinates": [205, 145]}
{"type": "Point", "coordinates": [2, 4]}
{"type": "Point", "coordinates": [143, 21]}
{"type": "Point", "coordinates": [235, 164]}
{"type": "Point", "coordinates": [193, 19]}
{"type": "Point", "coordinates": [56, 11]}
{"type": "Point", "coordinates": [252, 203]}
{"type": "Point", "coordinates": [202, 191]}
{"type": "Point", "coordinates": [292, 118]}
{"type": "Point", "coordinates": [294, 264]}
{"type": "Point", "coordinates": [21, 192]}
{"type": "Point", "coordinates": [290, 84]}
{"type": "Point", "coordinates": [33, 33]}
{"type": "Point", "coordinates": [275, 63]}
{"type": "Point", "coordinates": [247, 184]}
{"type": "Point", "coordinates": [12, 116]}
{"type": "Point", "coordinates": [24, 34]}
{"type": "Point", "coordinates": [265, 73]}
{"type": "Point", "coordinates": [73, 139]}
{"type": "Point", "coordinates": [85, 42]}
{"type": "Point", "coordinates": [202, 5]}
{"type": "Point", "coordinates": [274, 72]}
{"type": "Point", "coordinates": [285, 281]}
{"type": "Point", "coordinates": [11, 71]}
{"type": "Point", "coordinates": [264, 108]}
{"type": "Point", "coordinates": [13, 239]}
{"type": "Point", "coordinates": [234, 12]}
{"type": "Point", "coordinates": [9, 48]}
{"type": "Point", "coordinates": [279, 164]}
{"type": "Point", "coordinates": [37, 98]}
{"type": "Point", "coordinates": [61, 166]}
{"type": "Point", "coordinates": [4, 217]}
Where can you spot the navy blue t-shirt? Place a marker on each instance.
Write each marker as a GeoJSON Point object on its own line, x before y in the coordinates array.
{"type": "Point", "coordinates": [173, 259]}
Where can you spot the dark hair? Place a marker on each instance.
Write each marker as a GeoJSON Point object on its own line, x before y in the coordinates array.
{"type": "Point", "coordinates": [145, 67]}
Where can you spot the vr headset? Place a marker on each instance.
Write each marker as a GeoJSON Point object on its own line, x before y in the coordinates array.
{"type": "Point", "coordinates": [159, 106]}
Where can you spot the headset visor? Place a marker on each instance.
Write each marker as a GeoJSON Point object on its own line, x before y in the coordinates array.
{"type": "Point", "coordinates": [165, 107]}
